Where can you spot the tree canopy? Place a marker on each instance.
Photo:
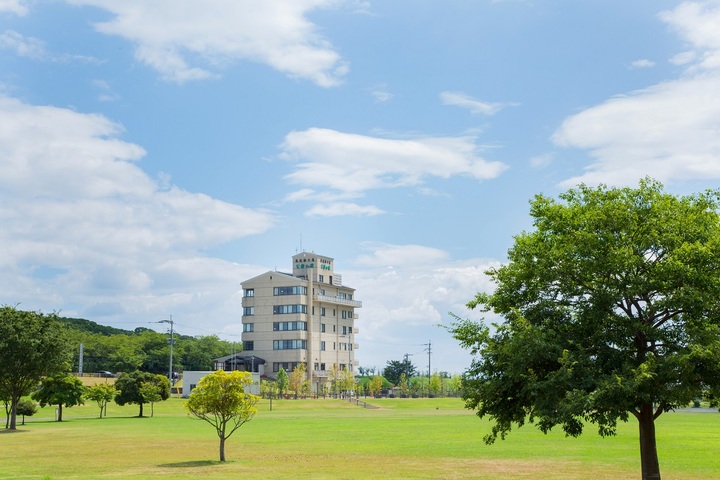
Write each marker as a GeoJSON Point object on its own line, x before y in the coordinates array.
{"type": "Point", "coordinates": [32, 346]}
{"type": "Point", "coordinates": [395, 368]}
{"type": "Point", "coordinates": [131, 390]}
{"type": "Point", "coordinates": [220, 399]}
{"type": "Point", "coordinates": [610, 309]}
{"type": "Point", "coordinates": [62, 390]}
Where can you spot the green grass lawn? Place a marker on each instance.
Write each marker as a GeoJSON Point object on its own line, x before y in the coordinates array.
{"type": "Point", "coordinates": [333, 439]}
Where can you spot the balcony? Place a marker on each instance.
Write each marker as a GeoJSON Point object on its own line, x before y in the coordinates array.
{"type": "Point", "coordinates": [337, 301]}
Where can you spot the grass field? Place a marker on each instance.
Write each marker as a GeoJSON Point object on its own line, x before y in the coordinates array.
{"type": "Point", "coordinates": [333, 439]}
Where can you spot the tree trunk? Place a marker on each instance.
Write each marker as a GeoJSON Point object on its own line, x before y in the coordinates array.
{"type": "Point", "coordinates": [13, 412]}
{"type": "Point", "coordinates": [222, 448]}
{"type": "Point", "coordinates": [59, 412]}
{"type": "Point", "coordinates": [141, 411]}
{"type": "Point", "coordinates": [648, 446]}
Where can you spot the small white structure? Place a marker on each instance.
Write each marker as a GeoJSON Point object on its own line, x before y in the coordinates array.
{"type": "Point", "coordinates": [192, 378]}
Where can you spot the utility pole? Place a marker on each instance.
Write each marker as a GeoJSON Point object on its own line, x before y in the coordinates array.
{"type": "Point", "coordinates": [171, 342]}
{"type": "Point", "coordinates": [429, 350]}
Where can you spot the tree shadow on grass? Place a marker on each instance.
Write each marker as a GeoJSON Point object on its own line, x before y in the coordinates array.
{"type": "Point", "coordinates": [194, 463]}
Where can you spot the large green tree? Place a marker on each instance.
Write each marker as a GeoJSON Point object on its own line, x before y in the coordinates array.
{"type": "Point", "coordinates": [32, 346]}
{"type": "Point", "coordinates": [130, 388]}
{"type": "Point", "coordinates": [220, 399]}
{"type": "Point", "coordinates": [611, 309]}
{"type": "Point", "coordinates": [62, 390]}
{"type": "Point", "coordinates": [395, 368]}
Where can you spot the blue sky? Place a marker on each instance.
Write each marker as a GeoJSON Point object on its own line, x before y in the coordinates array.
{"type": "Point", "coordinates": [153, 155]}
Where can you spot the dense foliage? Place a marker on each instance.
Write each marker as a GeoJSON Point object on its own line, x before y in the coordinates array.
{"type": "Point", "coordinates": [115, 350]}
{"type": "Point", "coordinates": [611, 308]}
{"type": "Point", "coordinates": [32, 346]}
{"type": "Point", "coordinates": [395, 368]}
{"type": "Point", "coordinates": [133, 388]}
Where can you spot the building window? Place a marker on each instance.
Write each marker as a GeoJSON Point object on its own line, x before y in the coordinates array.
{"type": "Point", "coordinates": [334, 328]}
{"type": "Point", "coordinates": [344, 314]}
{"type": "Point", "coordinates": [248, 327]}
{"type": "Point", "coordinates": [248, 311]}
{"type": "Point", "coordinates": [289, 344]}
{"type": "Point", "coordinates": [283, 326]}
{"type": "Point", "coordinates": [283, 309]}
{"type": "Point", "coordinates": [287, 366]}
{"type": "Point", "coordinates": [249, 345]}
{"type": "Point", "coordinates": [341, 295]}
{"type": "Point", "coordinates": [249, 292]}
{"type": "Point", "coordinates": [322, 345]}
{"type": "Point", "coordinates": [344, 330]}
{"type": "Point", "coordinates": [321, 278]}
{"type": "Point", "coordinates": [296, 290]}
{"type": "Point", "coordinates": [334, 346]}
{"type": "Point", "coordinates": [322, 311]}
{"type": "Point", "coordinates": [322, 328]}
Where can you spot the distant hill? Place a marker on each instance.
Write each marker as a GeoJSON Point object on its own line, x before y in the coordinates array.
{"type": "Point", "coordinates": [82, 325]}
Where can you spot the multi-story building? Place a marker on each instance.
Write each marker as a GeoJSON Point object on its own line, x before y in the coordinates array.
{"type": "Point", "coordinates": [307, 316]}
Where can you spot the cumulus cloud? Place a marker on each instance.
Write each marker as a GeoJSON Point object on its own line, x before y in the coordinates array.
{"type": "Point", "coordinates": [355, 163]}
{"type": "Point", "coordinates": [84, 225]}
{"type": "Point", "coordinates": [407, 290]}
{"type": "Point", "coordinates": [460, 99]}
{"type": "Point", "coordinates": [22, 46]}
{"type": "Point", "coordinates": [186, 40]}
{"type": "Point", "coordinates": [18, 7]}
{"type": "Point", "coordinates": [669, 130]}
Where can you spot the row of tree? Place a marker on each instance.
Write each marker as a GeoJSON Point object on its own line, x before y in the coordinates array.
{"type": "Point", "coordinates": [37, 352]}
{"type": "Point", "coordinates": [65, 391]}
{"type": "Point", "coordinates": [116, 350]}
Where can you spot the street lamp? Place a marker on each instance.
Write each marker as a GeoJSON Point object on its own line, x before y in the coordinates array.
{"type": "Point", "coordinates": [170, 341]}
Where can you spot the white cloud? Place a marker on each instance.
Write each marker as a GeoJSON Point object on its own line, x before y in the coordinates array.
{"type": "Point", "coordinates": [407, 290]}
{"type": "Point", "coordinates": [339, 209]}
{"type": "Point", "coordinates": [460, 99]}
{"type": "Point", "coordinates": [669, 131]}
{"type": "Point", "coordinates": [18, 7]}
{"type": "Point", "coordinates": [22, 46]}
{"type": "Point", "coordinates": [381, 94]}
{"type": "Point", "coordinates": [85, 227]}
{"type": "Point", "coordinates": [186, 40]}
{"type": "Point", "coordinates": [697, 22]}
{"type": "Point", "coordinates": [542, 161]}
{"type": "Point", "coordinates": [642, 63]}
{"type": "Point", "coordinates": [355, 163]}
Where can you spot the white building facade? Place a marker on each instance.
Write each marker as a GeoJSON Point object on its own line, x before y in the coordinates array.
{"type": "Point", "coordinates": [307, 316]}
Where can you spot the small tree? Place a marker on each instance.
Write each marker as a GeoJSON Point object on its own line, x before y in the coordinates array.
{"type": "Point", "coordinates": [60, 390]}
{"type": "Point", "coordinates": [435, 384]}
{"type": "Point", "coordinates": [102, 393]}
{"type": "Point", "coordinates": [297, 378]}
{"type": "Point", "coordinates": [375, 385]}
{"type": "Point", "coordinates": [220, 399]}
{"type": "Point", "coordinates": [26, 408]}
{"type": "Point", "coordinates": [151, 393]}
{"type": "Point", "coordinates": [129, 387]}
{"type": "Point", "coordinates": [346, 381]}
{"type": "Point", "coordinates": [403, 385]}
{"type": "Point", "coordinates": [268, 389]}
{"type": "Point", "coordinates": [282, 381]}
